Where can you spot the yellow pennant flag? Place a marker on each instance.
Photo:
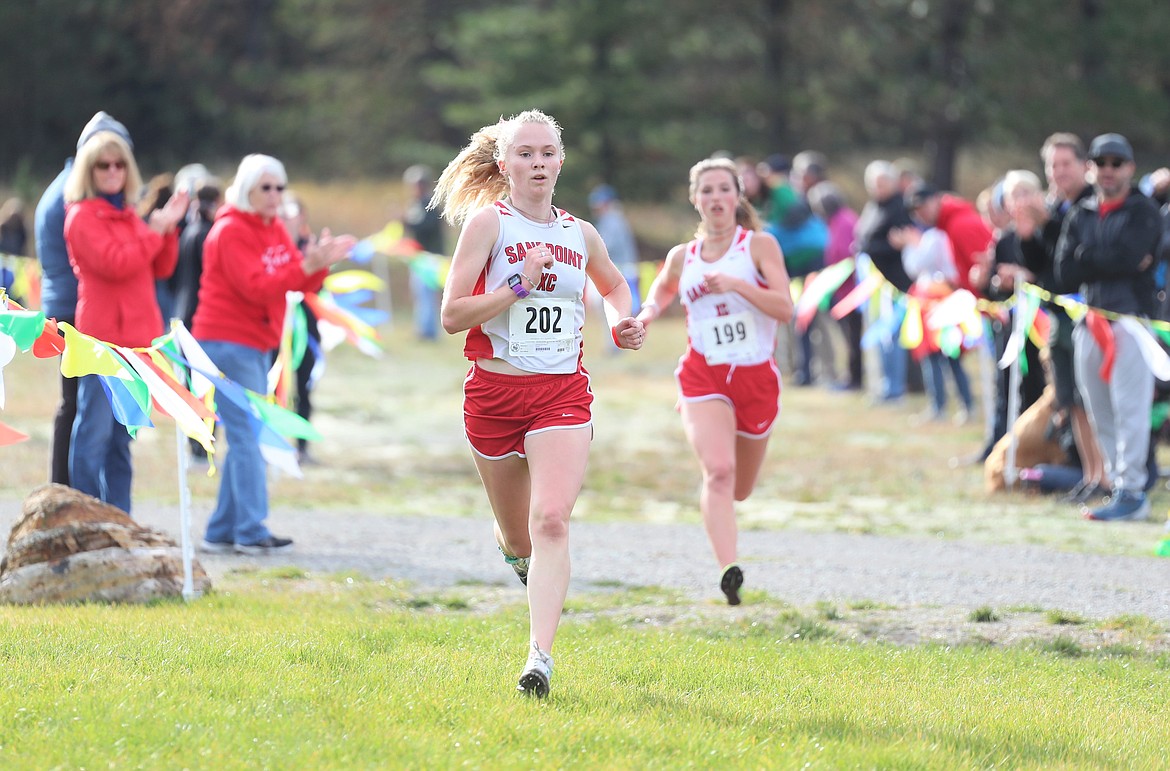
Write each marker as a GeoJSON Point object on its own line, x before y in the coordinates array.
{"type": "Point", "coordinates": [346, 281]}
{"type": "Point", "coordinates": [85, 355]}
{"type": "Point", "coordinates": [911, 336]}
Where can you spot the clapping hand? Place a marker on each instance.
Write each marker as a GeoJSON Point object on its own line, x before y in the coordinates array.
{"type": "Point", "coordinates": [166, 219]}
{"type": "Point", "coordinates": [326, 250]}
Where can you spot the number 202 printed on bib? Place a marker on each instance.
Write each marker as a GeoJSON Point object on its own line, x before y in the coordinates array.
{"type": "Point", "coordinates": [543, 325]}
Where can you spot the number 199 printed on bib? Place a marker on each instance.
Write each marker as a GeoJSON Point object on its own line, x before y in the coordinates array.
{"type": "Point", "coordinates": [543, 325]}
{"type": "Point", "coordinates": [727, 339]}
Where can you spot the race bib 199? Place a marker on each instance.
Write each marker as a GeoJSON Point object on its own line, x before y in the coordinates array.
{"type": "Point", "coordinates": [541, 325]}
{"type": "Point", "coordinates": [728, 338]}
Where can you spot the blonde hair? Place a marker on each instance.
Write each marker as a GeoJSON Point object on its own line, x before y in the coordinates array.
{"type": "Point", "coordinates": [1020, 178]}
{"type": "Point", "coordinates": [745, 214]}
{"type": "Point", "coordinates": [473, 178]}
{"type": "Point", "coordinates": [79, 184]}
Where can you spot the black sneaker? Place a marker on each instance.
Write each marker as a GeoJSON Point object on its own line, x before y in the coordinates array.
{"type": "Point", "coordinates": [730, 582]}
{"type": "Point", "coordinates": [270, 544]}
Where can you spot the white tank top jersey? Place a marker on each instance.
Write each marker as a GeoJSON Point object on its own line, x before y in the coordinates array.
{"type": "Point", "coordinates": [541, 333]}
{"type": "Point", "coordinates": [725, 328]}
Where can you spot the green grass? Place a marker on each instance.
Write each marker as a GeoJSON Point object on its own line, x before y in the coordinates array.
{"type": "Point", "coordinates": [285, 669]}
{"type": "Point", "coordinates": [294, 672]}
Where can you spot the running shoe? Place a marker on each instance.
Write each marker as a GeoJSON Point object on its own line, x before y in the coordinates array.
{"type": "Point", "coordinates": [730, 582]}
{"type": "Point", "coordinates": [537, 672]}
{"type": "Point", "coordinates": [269, 545]}
{"type": "Point", "coordinates": [1124, 506]}
{"type": "Point", "coordinates": [519, 564]}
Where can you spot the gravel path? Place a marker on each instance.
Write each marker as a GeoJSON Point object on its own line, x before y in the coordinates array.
{"type": "Point", "coordinates": [800, 568]}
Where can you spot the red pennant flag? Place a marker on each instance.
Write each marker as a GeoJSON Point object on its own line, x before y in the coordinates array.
{"type": "Point", "coordinates": [9, 435]}
{"type": "Point", "coordinates": [1102, 332]}
{"type": "Point", "coordinates": [50, 343]}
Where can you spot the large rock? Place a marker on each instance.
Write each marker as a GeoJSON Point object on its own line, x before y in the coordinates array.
{"type": "Point", "coordinates": [71, 547]}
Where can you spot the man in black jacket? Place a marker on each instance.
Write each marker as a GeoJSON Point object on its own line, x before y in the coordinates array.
{"type": "Point", "coordinates": [1106, 250]}
{"type": "Point", "coordinates": [885, 210]}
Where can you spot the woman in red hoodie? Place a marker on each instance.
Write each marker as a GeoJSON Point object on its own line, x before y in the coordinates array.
{"type": "Point", "coordinates": [116, 257]}
{"type": "Point", "coordinates": [249, 263]}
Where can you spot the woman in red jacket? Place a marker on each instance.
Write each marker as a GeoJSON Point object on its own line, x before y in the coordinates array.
{"type": "Point", "coordinates": [249, 263]}
{"type": "Point", "coordinates": [116, 257]}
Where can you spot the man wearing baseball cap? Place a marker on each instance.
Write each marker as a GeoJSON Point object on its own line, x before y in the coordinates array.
{"type": "Point", "coordinates": [1106, 252]}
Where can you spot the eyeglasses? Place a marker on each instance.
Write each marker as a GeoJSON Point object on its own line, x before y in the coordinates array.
{"type": "Point", "coordinates": [105, 165]}
{"type": "Point", "coordinates": [1113, 163]}
{"type": "Point", "coordinates": [266, 188]}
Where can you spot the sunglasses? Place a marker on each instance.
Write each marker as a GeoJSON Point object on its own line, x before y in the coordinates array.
{"type": "Point", "coordinates": [266, 188]}
{"type": "Point", "coordinates": [1113, 163]}
{"type": "Point", "coordinates": [105, 165]}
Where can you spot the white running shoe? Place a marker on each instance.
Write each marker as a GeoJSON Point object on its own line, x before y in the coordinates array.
{"type": "Point", "coordinates": [537, 672]}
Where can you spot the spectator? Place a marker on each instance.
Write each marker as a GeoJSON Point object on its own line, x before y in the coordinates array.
{"type": "Point", "coordinates": [996, 278]}
{"type": "Point", "coordinates": [806, 244]}
{"type": "Point", "coordinates": [425, 226]}
{"type": "Point", "coordinates": [1106, 250]}
{"type": "Point", "coordinates": [250, 262]}
{"type": "Point", "coordinates": [158, 191]}
{"type": "Point", "coordinates": [829, 204]}
{"type": "Point", "coordinates": [208, 199]}
{"type": "Point", "coordinates": [1066, 169]}
{"type": "Point", "coordinates": [295, 216]}
{"type": "Point", "coordinates": [116, 257]}
{"type": "Point", "coordinates": [614, 229]}
{"type": "Point", "coordinates": [59, 285]}
{"type": "Point", "coordinates": [754, 189]}
{"type": "Point", "coordinates": [927, 257]}
{"type": "Point", "coordinates": [13, 242]}
{"type": "Point", "coordinates": [968, 234]}
{"type": "Point", "coordinates": [884, 211]}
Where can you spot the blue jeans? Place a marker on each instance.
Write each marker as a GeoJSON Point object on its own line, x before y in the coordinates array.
{"type": "Point", "coordinates": [99, 448]}
{"type": "Point", "coordinates": [426, 307]}
{"type": "Point", "coordinates": [893, 358]}
{"type": "Point", "coordinates": [242, 505]}
{"type": "Point", "coordinates": [932, 376]}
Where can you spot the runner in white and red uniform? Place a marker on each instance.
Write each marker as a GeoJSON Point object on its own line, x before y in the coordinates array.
{"type": "Point", "coordinates": [515, 286]}
{"type": "Point", "coordinates": [730, 342]}
{"type": "Point", "coordinates": [538, 334]}
{"type": "Point", "coordinates": [732, 281]}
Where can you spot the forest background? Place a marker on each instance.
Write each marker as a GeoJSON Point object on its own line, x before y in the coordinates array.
{"type": "Point", "coordinates": [349, 91]}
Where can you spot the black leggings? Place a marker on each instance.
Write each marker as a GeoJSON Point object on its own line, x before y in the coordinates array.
{"type": "Point", "coordinates": [63, 430]}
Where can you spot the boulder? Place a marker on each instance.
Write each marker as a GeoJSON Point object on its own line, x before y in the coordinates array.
{"type": "Point", "coordinates": [71, 547]}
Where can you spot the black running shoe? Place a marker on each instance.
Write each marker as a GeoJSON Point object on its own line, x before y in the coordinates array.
{"type": "Point", "coordinates": [730, 582]}
{"type": "Point", "coordinates": [269, 545]}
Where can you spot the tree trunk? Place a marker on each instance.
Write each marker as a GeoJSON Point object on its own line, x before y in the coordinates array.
{"type": "Point", "coordinates": [942, 149]}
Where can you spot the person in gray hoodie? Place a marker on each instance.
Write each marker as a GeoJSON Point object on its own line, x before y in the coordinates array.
{"type": "Point", "coordinates": [59, 285]}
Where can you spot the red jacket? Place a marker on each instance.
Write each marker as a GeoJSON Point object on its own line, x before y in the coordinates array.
{"type": "Point", "coordinates": [116, 258]}
{"type": "Point", "coordinates": [248, 266]}
{"type": "Point", "coordinates": [968, 233]}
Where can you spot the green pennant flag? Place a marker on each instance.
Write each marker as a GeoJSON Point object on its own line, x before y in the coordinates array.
{"type": "Point", "coordinates": [22, 326]}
